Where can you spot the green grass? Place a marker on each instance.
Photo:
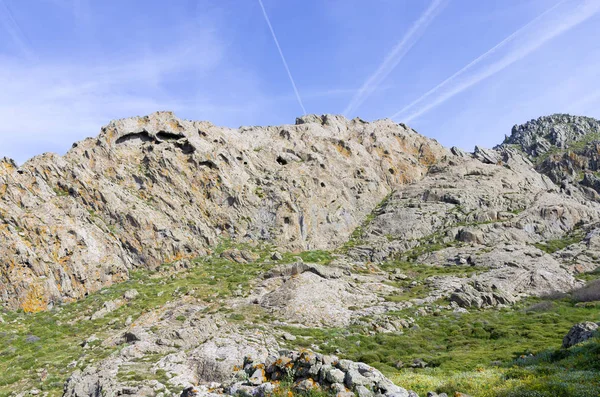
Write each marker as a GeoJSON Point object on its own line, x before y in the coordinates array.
{"type": "Point", "coordinates": [316, 256]}
{"type": "Point", "coordinates": [456, 343]}
{"type": "Point", "coordinates": [551, 246]}
{"type": "Point", "coordinates": [61, 192]}
{"type": "Point", "coordinates": [63, 329]}
{"type": "Point", "coordinates": [420, 273]}
{"type": "Point", "coordinates": [551, 373]}
{"type": "Point", "coordinates": [589, 276]}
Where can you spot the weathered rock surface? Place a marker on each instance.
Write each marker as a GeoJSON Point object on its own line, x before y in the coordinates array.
{"type": "Point", "coordinates": [203, 349]}
{"type": "Point", "coordinates": [580, 333]}
{"type": "Point", "coordinates": [565, 148]}
{"type": "Point", "coordinates": [307, 370]}
{"type": "Point", "coordinates": [150, 190]}
{"type": "Point", "coordinates": [472, 212]}
{"type": "Point", "coordinates": [315, 295]}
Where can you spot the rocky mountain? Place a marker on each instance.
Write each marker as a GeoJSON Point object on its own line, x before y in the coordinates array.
{"type": "Point", "coordinates": [166, 254]}
{"type": "Point", "coordinates": [565, 148]}
{"type": "Point", "coordinates": [150, 190]}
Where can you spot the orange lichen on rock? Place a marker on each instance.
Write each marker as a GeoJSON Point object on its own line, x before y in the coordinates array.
{"type": "Point", "coordinates": [343, 149]}
{"type": "Point", "coordinates": [35, 301]}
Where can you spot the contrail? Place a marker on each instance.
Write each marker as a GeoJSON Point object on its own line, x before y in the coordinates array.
{"type": "Point", "coordinates": [14, 30]}
{"type": "Point", "coordinates": [395, 55]}
{"type": "Point", "coordinates": [475, 61]}
{"type": "Point", "coordinates": [547, 32]}
{"type": "Point", "coordinates": [287, 69]}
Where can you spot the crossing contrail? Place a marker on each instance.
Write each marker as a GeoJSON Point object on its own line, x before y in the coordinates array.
{"type": "Point", "coordinates": [394, 57]}
{"type": "Point", "coordinates": [287, 69]}
{"type": "Point", "coordinates": [539, 37]}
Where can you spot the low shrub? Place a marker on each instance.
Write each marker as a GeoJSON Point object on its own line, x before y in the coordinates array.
{"type": "Point", "coordinates": [589, 293]}
{"type": "Point", "coordinates": [541, 307]}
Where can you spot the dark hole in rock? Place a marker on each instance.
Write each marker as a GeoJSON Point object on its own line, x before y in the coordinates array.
{"type": "Point", "coordinates": [281, 160]}
{"type": "Point", "coordinates": [169, 136]}
{"type": "Point", "coordinates": [208, 164]}
{"type": "Point", "coordinates": [222, 157]}
{"type": "Point", "coordinates": [142, 136]}
{"type": "Point", "coordinates": [391, 170]}
{"type": "Point", "coordinates": [287, 220]}
{"type": "Point", "coordinates": [322, 184]}
{"type": "Point", "coordinates": [186, 147]}
{"type": "Point", "coordinates": [131, 337]}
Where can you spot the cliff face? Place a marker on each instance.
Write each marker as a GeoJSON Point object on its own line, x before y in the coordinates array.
{"type": "Point", "coordinates": [155, 189]}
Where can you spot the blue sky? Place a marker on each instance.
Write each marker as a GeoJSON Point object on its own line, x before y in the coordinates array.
{"type": "Point", "coordinates": [460, 71]}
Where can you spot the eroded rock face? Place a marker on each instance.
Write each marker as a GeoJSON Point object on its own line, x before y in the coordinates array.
{"type": "Point", "coordinates": [154, 189]}
{"type": "Point", "coordinates": [565, 148]}
{"type": "Point", "coordinates": [490, 211]}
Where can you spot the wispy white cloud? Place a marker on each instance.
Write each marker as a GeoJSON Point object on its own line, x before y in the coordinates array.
{"type": "Point", "coordinates": [396, 54]}
{"type": "Point", "coordinates": [285, 64]}
{"type": "Point", "coordinates": [550, 24]}
{"type": "Point", "coordinates": [51, 103]}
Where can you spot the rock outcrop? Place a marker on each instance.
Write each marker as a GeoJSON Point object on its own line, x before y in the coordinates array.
{"type": "Point", "coordinates": [494, 215]}
{"type": "Point", "coordinates": [537, 137]}
{"type": "Point", "coordinates": [307, 371]}
{"type": "Point", "coordinates": [565, 148]}
{"type": "Point", "coordinates": [580, 333]}
{"type": "Point", "coordinates": [151, 190]}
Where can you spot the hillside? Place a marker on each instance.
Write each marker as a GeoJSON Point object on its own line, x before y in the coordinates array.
{"type": "Point", "coordinates": [168, 253]}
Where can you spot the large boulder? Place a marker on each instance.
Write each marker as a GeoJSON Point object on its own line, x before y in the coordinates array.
{"type": "Point", "coordinates": [580, 333]}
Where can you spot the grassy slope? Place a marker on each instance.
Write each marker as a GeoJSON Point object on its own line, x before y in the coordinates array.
{"type": "Point", "coordinates": [473, 352]}
{"type": "Point", "coordinates": [460, 347]}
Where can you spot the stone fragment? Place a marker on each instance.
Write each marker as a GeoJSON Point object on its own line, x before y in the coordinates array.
{"type": "Point", "coordinates": [130, 294]}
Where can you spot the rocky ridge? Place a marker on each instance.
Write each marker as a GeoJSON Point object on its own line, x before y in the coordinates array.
{"type": "Point", "coordinates": [385, 202]}
{"type": "Point", "coordinates": [565, 148]}
{"type": "Point", "coordinates": [151, 190]}
{"type": "Point", "coordinates": [493, 218]}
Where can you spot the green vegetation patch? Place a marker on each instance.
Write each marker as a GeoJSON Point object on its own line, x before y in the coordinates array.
{"type": "Point", "coordinates": [420, 273]}
{"type": "Point", "coordinates": [551, 246]}
{"type": "Point", "coordinates": [50, 342]}
{"type": "Point", "coordinates": [474, 343]}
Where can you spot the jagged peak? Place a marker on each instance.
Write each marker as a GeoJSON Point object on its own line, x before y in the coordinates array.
{"type": "Point", "coordinates": [324, 119]}
{"type": "Point", "coordinates": [538, 136]}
